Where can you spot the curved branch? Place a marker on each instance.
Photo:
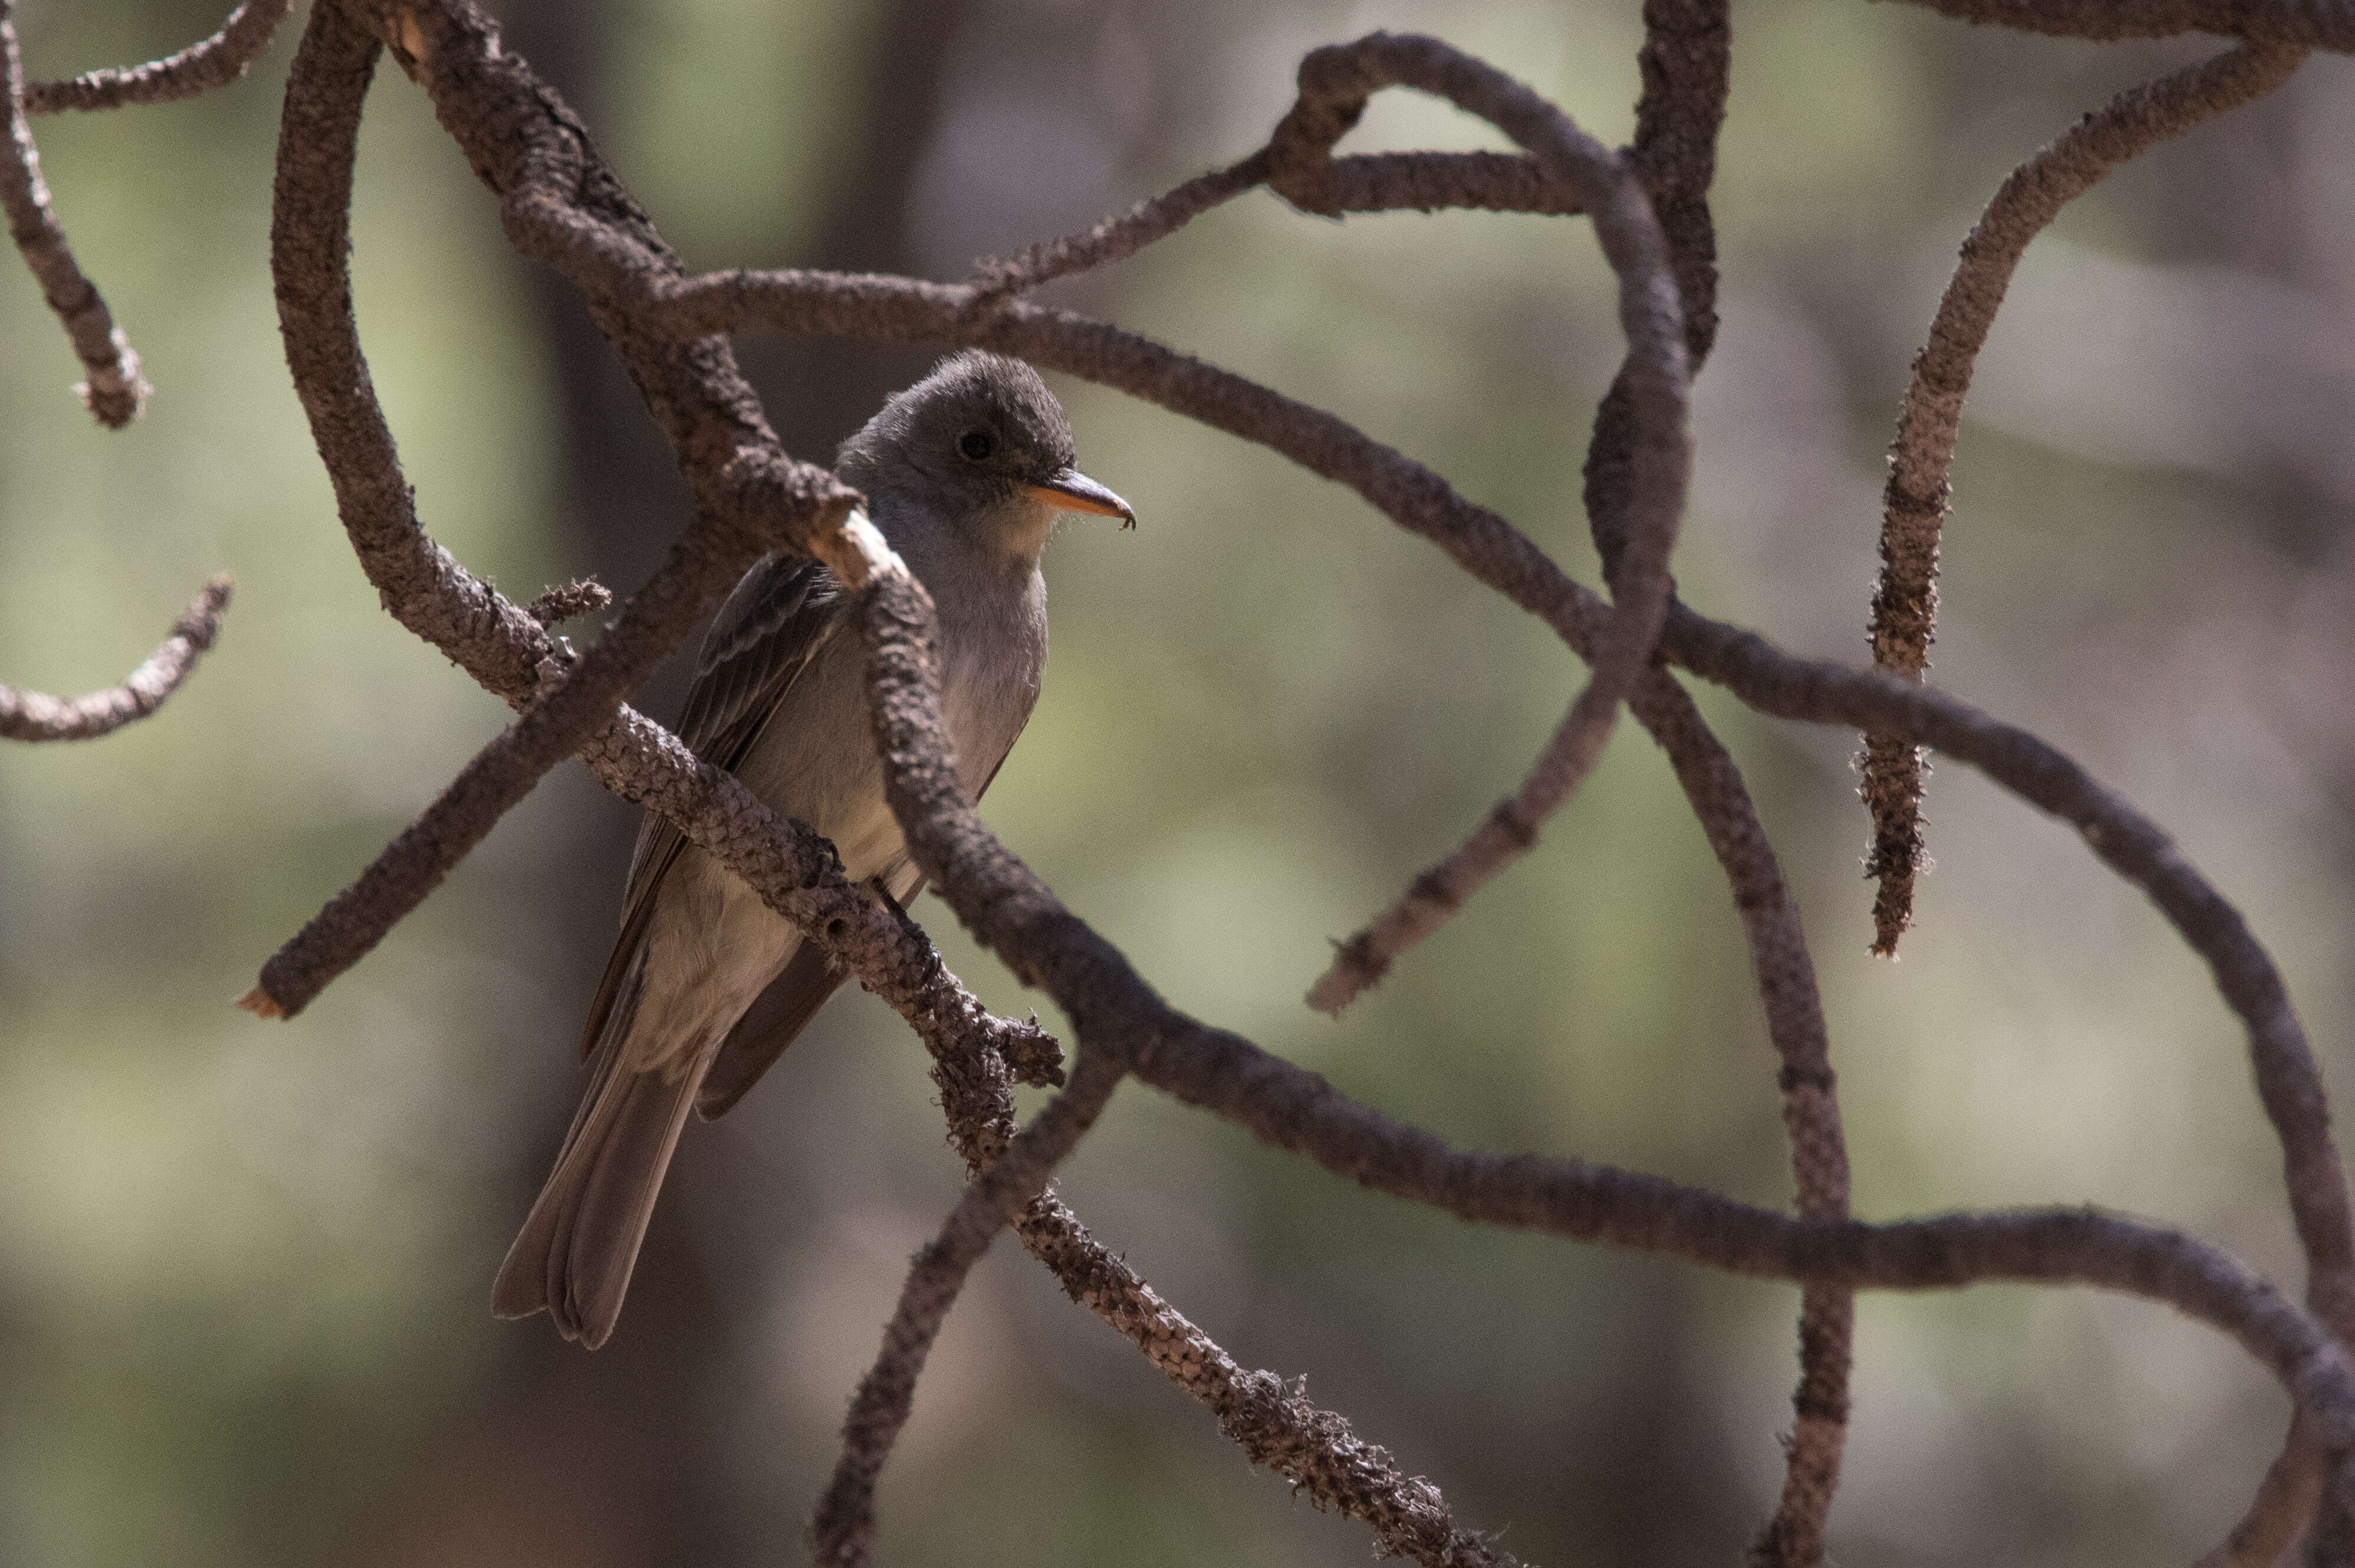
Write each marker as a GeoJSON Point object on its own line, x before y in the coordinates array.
{"type": "Point", "coordinates": [34, 715]}
{"type": "Point", "coordinates": [2306, 23]}
{"type": "Point", "coordinates": [1335, 84]}
{"type": "Point", "coordinates": [2288, 1081]}
{"type": "Point", "coordinates": [204, 65]}
{"type": "Point", "coordinates": [1918, 496]}
{"type": "Point", "coordinates": [1786, 979]}
{"type": "Point", "coordinates": [116, 391]}
{"type": "Point", "coordinates": [844, 1529]}
{"type": "Point", "coordinates": [1364, 182]}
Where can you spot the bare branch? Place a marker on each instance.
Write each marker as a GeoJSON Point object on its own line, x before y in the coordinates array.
{"type": "Point", "coordinates": [844, 1529]}
{"type": "Point", "coordinates": [1273, 1422]}
{"type": "Point", "coordinates": [1117, 239]}
{"type": "Point", "coordinates": [1493, 551]}
{"type": "Point", "coordinates": [1786, 978]}
{"type": "Point", "coordinates": [2283, 1506]}
{"type": "Point", "coordinates": [1335, 83]}
{"type": "Point", "coordinates": [2306, 23]}
{"type": "Point", "coordinates": [568, 602]}
{"type": "Point", "coordinates": [204, 65]}
{"type": "Point", "coordinates": [1686, 64]}
{"type": "Point", "coordinates": [116, 391]}
{"type": "Point", "coordinates": [1372, 182]}
{"type": "Point", "coordinates": [2288, 1082]}
{"type": "Point", "coordinates": [1918, 498]}
{"type": "Point", "coordinates": [34, 715]}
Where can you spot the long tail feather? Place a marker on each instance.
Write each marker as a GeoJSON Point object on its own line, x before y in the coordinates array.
{"type": "Point", "coordinates": [576, 1251]}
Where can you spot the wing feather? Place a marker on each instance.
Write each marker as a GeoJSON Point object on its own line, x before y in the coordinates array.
{"type": "Point", "coordinates": [771, 625]}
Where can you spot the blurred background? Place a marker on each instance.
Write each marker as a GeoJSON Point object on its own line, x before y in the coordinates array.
{"type": "Point", "coordinates": [244, 1270]}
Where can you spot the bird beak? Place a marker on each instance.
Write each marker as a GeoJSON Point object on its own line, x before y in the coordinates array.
{"type": "Point", "coordinates": [1072, 491]}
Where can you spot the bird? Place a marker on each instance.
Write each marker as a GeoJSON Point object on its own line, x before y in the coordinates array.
{"type": "Point", "coordinates": [966, 474]}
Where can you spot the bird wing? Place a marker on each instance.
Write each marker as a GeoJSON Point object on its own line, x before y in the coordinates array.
{"type": "Point", "coordinates": [775, 621]}
{"type": "Point", "coordinates": [794, 998]}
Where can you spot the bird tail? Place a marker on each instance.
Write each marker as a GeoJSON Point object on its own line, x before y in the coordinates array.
{"type": "Point", "coordinates": [575, 1252]}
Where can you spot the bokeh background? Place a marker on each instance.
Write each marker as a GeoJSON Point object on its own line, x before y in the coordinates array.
{"type": "Point", "coordinates": [244, 1269]}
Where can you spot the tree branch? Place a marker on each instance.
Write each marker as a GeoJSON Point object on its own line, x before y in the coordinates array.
{"type": "Point", "coordinates": [2304, 24]}
{"type": "Point", "coordinates": [34, 715]}
{"type": "Point", "coordinates": [216, 61]}
{"type": "Point", "coordinates": [1335, 83]}
{"type": "Point", "coordinates": [844, 1529]}
{"type": "Point", "coordinates": [1918, 498]}
{"type": "Point", "coordinates": [116, 391]}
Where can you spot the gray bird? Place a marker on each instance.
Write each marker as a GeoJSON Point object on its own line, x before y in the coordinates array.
{"type": "Point", "coordinates": [966, 474]}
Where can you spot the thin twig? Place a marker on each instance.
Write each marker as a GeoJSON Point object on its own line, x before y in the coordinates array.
{"type": "Point", "coordinates": [33, 715]}
{"type": "Point", "coordinates": [1272, 1422]}
{"type": "Point", "coordinates": [1919, 496]}
{"type": "Point", "coordinates": [1759, 673]}
{"type": "Point", "coordinates": [1019, 918]}
{"type": "Point", "coordinates": [2288, 1083]}
{"type": "Point", "coordinates": [2307, 24]}
{"type": "Point", "coordinates": [1335, 84]}
{"type": "Point", "coordinates": [844, 1529]}
{"type": "Point", "coordinates": [1365, 182]}
{"type": "Point", "coordinates": [1785, 978]}
{"type": "Point", "coordinates": [216, 61]}
{"type": "Point", "coordinates": [568, 602]}
{"type": "Point", "coordinates": [116, 391]}
{"type": "Point", "coordinates": [1687, 65]}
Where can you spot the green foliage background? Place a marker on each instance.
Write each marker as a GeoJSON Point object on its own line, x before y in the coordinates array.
{"type": "Point", "coordinates": [244, 1269]}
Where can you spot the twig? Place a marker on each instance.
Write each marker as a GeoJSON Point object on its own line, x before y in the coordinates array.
{"type": "Point", "coordinates": [1335, 83]}
{"type": "Point", "coordinates": [1499, 555]}
{"type": "Point", "coordinates": [1117, 239]}
{"type": "Point", "coordinates": [216, 61]}
{"type": "Point", "coordinates": [1010, 910]}
{"type": "Point", "coordinates": [568, 602]}
{"type": "Point", "coordinates": [1785, 978]}
{"type": "Point", "coordinates": [116, 391]}
{"type": "Point", "coordinates": [2288, 1082]}
{"type": "Point", "coordinates": [1918, 498]}
{"type": "Point", "coordinates": [2285, 1503]}
{"type": "Point", "coordinates": [1686, 64]}
{"type": "Point", "coordinates": [844, 1529]}
{"type": "Point", "coordinates": [1273, 1422]}
{"type": "Point", "coordinates": [1366, 182]}
{"type": "Point", "coordinates": [2307, 24]}
{"type": "Point", "coordinates": [34, 715]}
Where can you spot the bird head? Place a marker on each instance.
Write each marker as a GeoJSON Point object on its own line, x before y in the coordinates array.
{"type": "Point", "coordinates": [983, 444]}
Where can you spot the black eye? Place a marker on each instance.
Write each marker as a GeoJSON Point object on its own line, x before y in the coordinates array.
{"type": "Point", "coordinates": [976, 444]}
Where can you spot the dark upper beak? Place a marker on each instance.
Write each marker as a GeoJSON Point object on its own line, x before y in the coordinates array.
{"type": "Point", "coordinates": [1069, 490]}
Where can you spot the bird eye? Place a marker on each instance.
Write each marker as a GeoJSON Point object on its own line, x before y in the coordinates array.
{"type": "Point", "coordinates": [976, 444]}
